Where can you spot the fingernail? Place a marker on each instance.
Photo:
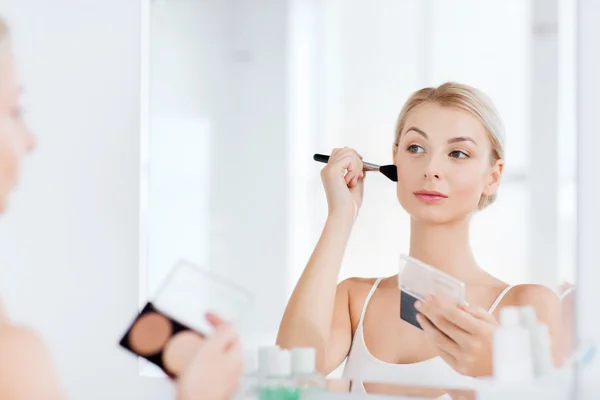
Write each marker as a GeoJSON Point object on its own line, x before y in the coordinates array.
{"type": "Point", "coordinates": [418, 305]}
{"type": "Point", "coordinates": [419, 318]}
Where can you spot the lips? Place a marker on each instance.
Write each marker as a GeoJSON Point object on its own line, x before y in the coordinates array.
{"type": "Point", "coordinates": [430, 196]}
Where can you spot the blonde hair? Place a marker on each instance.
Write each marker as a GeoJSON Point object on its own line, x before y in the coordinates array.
{"type": "Point", "coordinates": [466, 98]}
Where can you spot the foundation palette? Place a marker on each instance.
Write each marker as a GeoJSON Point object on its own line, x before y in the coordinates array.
{"type": "Point", "coordinates": [171, 327]}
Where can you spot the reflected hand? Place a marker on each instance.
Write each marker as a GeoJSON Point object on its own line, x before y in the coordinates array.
{"type": "Point", "coordinates": [214, 372]}
{"type": "Point", "coordinates": [343, 178]}
{"type": "Point", "coordinates": [462, 334]}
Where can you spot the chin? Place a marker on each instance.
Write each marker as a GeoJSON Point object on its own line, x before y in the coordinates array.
{"type": "Point", "coordinates": [431, 217]}
{"type": "Point", "coordinates": [434, 214]}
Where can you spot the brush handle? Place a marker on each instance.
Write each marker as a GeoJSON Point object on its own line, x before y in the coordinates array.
{"type": "Point", "coordinates": [366, 165]}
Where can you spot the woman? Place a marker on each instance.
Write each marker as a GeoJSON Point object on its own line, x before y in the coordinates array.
{"type": "Point", "coordinates": [26, 371]}
{"type": "Point", "coordinates": [448, 150]}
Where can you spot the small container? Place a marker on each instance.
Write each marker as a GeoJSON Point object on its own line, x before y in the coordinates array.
{"type": "Point", "coordinates": [512, 350]}
{"type": "Point", "coordinates": [304, 373]}
{"type": "Point", "coordinates": [276, 381]}
{"type": "Point", "coordinates": [541, 344]}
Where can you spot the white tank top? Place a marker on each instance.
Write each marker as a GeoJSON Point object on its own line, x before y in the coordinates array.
{"type": "Point", "coordinates": [361, 365]}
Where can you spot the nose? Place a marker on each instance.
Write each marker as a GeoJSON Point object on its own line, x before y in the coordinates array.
{"type": "Point", "coordinates": [432, 170]}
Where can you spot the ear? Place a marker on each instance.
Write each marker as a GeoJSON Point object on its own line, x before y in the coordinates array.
{"type": "Point", "coordinates": [494, 178]}
{"type": "Point", "coordinates": [394, 152]}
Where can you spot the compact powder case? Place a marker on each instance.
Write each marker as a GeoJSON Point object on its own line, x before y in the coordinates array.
{"type": "Point", "coordinates": [162, 340]}
{"type": "Point", "coordinates": [171, 327]}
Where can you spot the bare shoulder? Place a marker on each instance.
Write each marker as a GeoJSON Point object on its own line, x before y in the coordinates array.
{"type": "Point", "coordinates": [548, 309]}
{"type": "Point", "coordinates": [534, 295]}
{"type": "Point", "coordinates": [357, 283]}
{"type": "Point", "coordinates": [357, 290]}
{"type": "Point", "coordinates": [25, 359]}
{"type": "Point", "coordinates": [544, 300]}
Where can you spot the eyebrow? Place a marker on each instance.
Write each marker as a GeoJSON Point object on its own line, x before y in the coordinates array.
{"type": "Point", "coordinates": [457, 139]}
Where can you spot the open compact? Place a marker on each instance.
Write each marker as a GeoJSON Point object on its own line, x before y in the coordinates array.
{"type": "Point", "coordinates": [171, 327]}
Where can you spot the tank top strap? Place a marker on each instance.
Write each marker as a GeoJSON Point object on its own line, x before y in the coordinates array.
{"type": "Point", "coordinates": [364, 309]}
{"type": "Point", "coordinates": [499, 299]}
{"type": "Point", "coordinates": [567, 292]}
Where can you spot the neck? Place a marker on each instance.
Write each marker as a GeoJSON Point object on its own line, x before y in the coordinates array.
{"type": "Point", "coordinates": [445, 247]}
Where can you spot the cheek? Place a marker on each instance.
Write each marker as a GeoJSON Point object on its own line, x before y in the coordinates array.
{"type": "Point", "coordinates": [467, 184]}
{"type": "Point", "coordinates": [410, 178]}
{"type": "Point", "coordinates": [407, 177]}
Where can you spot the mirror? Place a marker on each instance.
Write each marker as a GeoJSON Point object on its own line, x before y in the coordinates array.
{"type": "Point", "coordinates": [241, 95]}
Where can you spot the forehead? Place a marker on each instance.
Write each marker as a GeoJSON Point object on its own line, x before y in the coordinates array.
{"type": "Point", "coordinates": [445, 122]}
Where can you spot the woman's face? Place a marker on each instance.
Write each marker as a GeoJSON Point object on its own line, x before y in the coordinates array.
{"type": "Point", "coordinates": [15, 138]}
{"type": "Point", "coordinates": [444, 164]}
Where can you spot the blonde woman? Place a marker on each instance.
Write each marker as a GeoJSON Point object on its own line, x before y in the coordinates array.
{"type": "Point", "coordinates": [26, 370]}
{"type": "Point", "coordinates": [449, 152]}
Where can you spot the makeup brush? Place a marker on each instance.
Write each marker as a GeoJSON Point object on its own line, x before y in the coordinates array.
{"type": "Point", "coordinates": [388, 170]}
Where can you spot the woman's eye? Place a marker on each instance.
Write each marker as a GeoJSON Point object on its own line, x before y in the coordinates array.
{"type": "Point", "coordinates": [459, 154]}
{"type": "Point", "coordinates": [413, 148]}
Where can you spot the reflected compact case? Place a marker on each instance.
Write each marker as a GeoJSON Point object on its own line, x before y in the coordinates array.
{"type": "Point", "coordinates": [417, 280]}
{"type": "Point", "coordinates": [172, 325]}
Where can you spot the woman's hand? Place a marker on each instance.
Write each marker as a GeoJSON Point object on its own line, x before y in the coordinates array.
{"type": "Point", "coordinates": [215, 371]}
{"type": "Point", "coordinates": [343, 182]}
{"type": "Point", "coordinates": [462, 334]}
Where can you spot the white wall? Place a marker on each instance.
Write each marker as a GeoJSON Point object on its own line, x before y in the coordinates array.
{"type": "Point", "coordinates": [69, 257]}
{"type": "Point", "coordinates": [221, 63]}
{"type": "Point", "coordinates": [249, 214]}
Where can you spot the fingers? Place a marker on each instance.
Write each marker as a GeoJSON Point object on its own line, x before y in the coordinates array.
{"type": "Point", "coordinates": [439, 338]}
{"type": "Point", "coordinates": [436, 314]}
{"type": "Point", "coordinates": [347, 162]}
{"type": "Point", "coordinates": [455, 316]}
{"type": "Point", "coordinates": [341, 151]}
{"type": "Point", "coordinates": [224, 337]}
{"type": "Point", "coordinates": [480, 314]}
{"type": "Point", "coordinates": [214, 319]}
{"type": "Point", "coordinates": [234, 353]}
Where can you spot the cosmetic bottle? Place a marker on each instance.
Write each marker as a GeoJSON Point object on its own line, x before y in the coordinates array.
{"type": "Point", "coordinates": [275, 382]}
{"type": "Point", "coordinates": [541, 346]}
{"type": "Point", "coordinates": [304, 375]}
{"type": "Point", "coordinates": [512, 350]}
